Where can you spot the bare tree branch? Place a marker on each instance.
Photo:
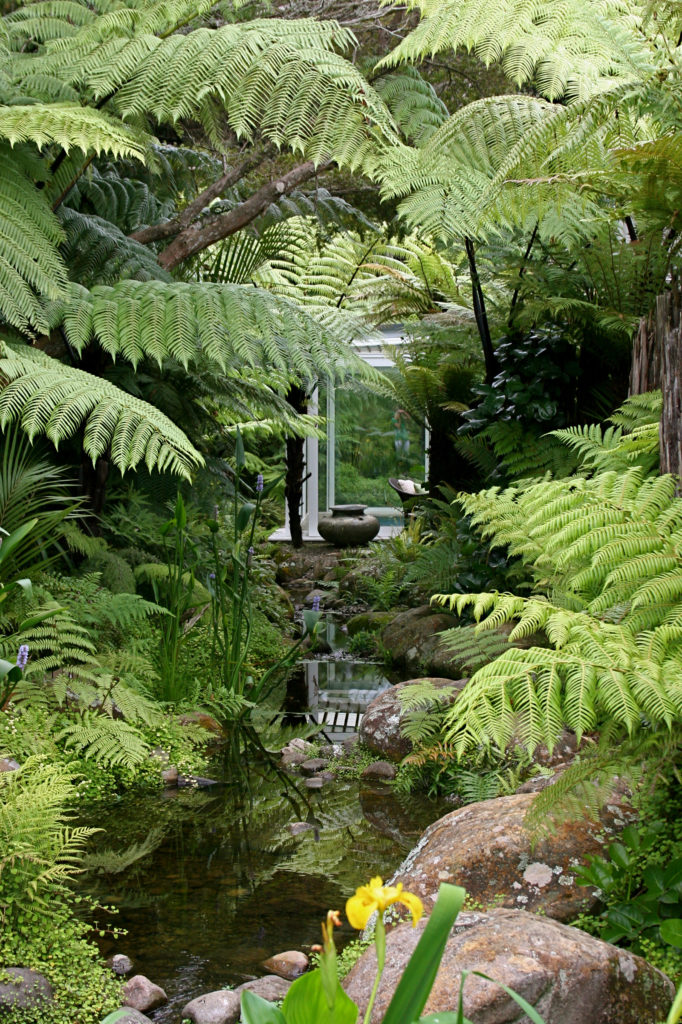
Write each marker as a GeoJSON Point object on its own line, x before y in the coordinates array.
{"type": "Point", "coordinates": [191, 213]}
{"type": "Point", "coordinates": [195, 238]}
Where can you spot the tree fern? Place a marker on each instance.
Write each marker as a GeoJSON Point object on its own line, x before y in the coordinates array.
{"type": "Point", "coordinates": [71, 126]}
{"type": "Point", "coordinates": [564, 48]}
{"type": "Point", "coordinates": [282, 78]}
{"type": "Point", "coordinates": [229, 325]}
{"type": "Point", "coordinates": [29, 235]}
{"type": "Point", "coordinates": [48, 398]}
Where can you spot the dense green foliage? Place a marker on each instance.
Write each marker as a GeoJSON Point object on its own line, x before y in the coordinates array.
{"type": "Point", "coordinates": [201, 206]}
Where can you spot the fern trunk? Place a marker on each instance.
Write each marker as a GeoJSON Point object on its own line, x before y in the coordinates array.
{"type": "Point", "coordinates": [657, 363]}
{"type": "Point", "coordinates": [295, 466]}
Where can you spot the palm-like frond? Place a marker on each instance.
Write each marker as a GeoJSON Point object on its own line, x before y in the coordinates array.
{"type": "Point", "coordinates": [46, 397]}
{"type": "Point", "coordinates": [563, 48]}
{"type": "Point", "coordinates": [280, 78]}
{"type": "Point", "coordinates": [71, 126]}
{"type": "Point", "coordinates": [232, 326]}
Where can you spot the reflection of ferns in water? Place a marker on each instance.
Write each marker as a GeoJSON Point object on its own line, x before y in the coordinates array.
{"type": "Point", "coordinates": [114, 862]}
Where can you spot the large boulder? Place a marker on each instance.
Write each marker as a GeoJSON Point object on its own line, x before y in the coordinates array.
{"type": "Point", "coordinates": [407, 633]}
{"type": "Point", "coordinates": [568, 976]}
{"type": "Point", "coordinates": [485, 848]}
{"type": "Point", "coordinates": [380, 729]}
{"type": "Point", "coordinates": [23, 989]}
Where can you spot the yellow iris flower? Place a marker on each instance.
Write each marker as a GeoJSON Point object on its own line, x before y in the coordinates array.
{"type": "Point", "coordinates": [378, 897]}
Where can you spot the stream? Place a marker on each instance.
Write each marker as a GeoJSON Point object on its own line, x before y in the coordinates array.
{"type": "Point", "coordinates": [225, 882]}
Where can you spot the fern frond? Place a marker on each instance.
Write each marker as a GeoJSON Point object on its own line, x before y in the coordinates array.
{"type": "Point", "coordinates": [105, 740]}
{"type": "Point", "coordinates": [71, 126]}
{"type": "Point", "coordinates": [47, 397]}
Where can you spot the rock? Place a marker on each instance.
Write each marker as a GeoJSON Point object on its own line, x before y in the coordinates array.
{"type": "Point", "coordinates": [331, 750]}
{"type": "Point", "coordinates": [407, 632]}
{"type": "Point", "coordinates": [290, 964]}
{"type": "Point", "coordinates": [485, 848]}
{"type": "Point", "coordinates": [170, 777]}
{"type": "Point", "coordinates": [314, 765]}
{"type": "Point", "coordinates": [221, 1007]}
{"type": "Point", "coordinates": [568, 976]}
{"type": "Point", "coordinates": [369, 622]}
{"type": "Point", "coordinates": [8, 764]}
{"type": "Point", "coordinates": [142, 994]}
{"type": "Point", "coordinates": [126, 1015]}
{"type": "Point", "coordinates": [204, 721]}
{"type": "Point", "coordinates": [197, 781]}
{"type": "Point", "coordinates": [380, 727]}
{"type": "Point", "coordinates": [298, 827]}
{"type": "Point", "coordinates": [315, 783]}
{"type": "Point", "coordinates": [270, 987]}
{"type": "Point", "coordinates": [301, 745]}
{"type": "Point", "coordinates": [381, 771]}
{"type": "Point", "coordinates": [293, 757]}
{"type": "Point", "coordinates": [120, 963]}
{"type": "Point", "coordinates": [321, 594]}
{"type": "Point", "coordinates": [26, 989]}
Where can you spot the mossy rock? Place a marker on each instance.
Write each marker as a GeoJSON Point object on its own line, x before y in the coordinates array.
{"type": "Point", "coordinates": [369, 622]}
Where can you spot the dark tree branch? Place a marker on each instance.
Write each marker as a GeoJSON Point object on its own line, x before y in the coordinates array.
{"type": "Point", "coordinates": [522, 270]}
{"type": "Point", "coordinates": [481, 314]}
{"type": "Point", "coordinates": [191, 213]}
{"type": "Point", "coordinates": [196, 238]}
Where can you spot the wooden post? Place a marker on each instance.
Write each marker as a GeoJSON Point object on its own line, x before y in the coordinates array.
{"type": "Point", "coordinates": [657, 363]}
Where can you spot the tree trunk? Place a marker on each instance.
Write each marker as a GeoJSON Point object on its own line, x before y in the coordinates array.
{"type": "Point", "coordinates": [293, 490]}
{"type": "Point", "coordinates": [657, 363]}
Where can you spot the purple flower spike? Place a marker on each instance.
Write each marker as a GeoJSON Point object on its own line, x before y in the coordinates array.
{"type": "Point", "coordinates": [22, 656]}
{"type": "Point", "coordinates": [211, 575]}
{"type": "Point", "coordinates": [259, 482]}
{"type": "Point", "coordinates": [316, 604]}
{"type": "Point", "coordinates": [252, 550]}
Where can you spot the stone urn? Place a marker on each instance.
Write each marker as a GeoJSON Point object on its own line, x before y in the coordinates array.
{"type": "Point", "coordinates": [348, 526]}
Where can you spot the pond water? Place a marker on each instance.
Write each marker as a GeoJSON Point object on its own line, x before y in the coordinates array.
{"type": "Point", "coordinates": [224, 883]}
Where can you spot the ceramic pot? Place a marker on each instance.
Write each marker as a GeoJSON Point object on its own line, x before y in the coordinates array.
{"type": "Point", "coordinates": [348, 526]}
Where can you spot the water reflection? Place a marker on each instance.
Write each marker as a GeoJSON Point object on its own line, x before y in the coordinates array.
{"type": "Point", "coordinates": [227, 885]}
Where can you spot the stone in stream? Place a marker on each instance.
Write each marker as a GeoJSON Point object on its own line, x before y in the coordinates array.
{"type": "Point", "coordinates": [379, 771]}
{"type": "Point", "coordinates": [569, 977]}
{"type": "Point", "coordinates": [26, 990]}
{"type": "Point", "coordinates": [315, 783]}
{"type": "Point", "coordinates": [8, 764]}
{"type": "Point", "coordinates": [221, 1007]}
{"type": "Point", "coordinates": [271, 987]}
{"type": "Point", "coordinates": [314, 765]}
{"type": "Point", "coordinates": [293, 757]}
{"type": "Point", "coordinates": [170, 777]}
{"type": "Point", "coordinates": [197, 781]}
{"type": "Point", "coordinates": [126, 1015]}
{"type": "Point", "coordinates": [142, 994]}
{"type": "Point", "coordinates": [120, 963]}
{"type": "Point", "coordinates": [290, 965]}
{"type": "Point", "coordinates": [224, 1006]}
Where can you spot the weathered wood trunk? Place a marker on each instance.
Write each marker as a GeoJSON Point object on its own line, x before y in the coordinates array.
{"type": "Point", "coordinates": [657, 363]}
